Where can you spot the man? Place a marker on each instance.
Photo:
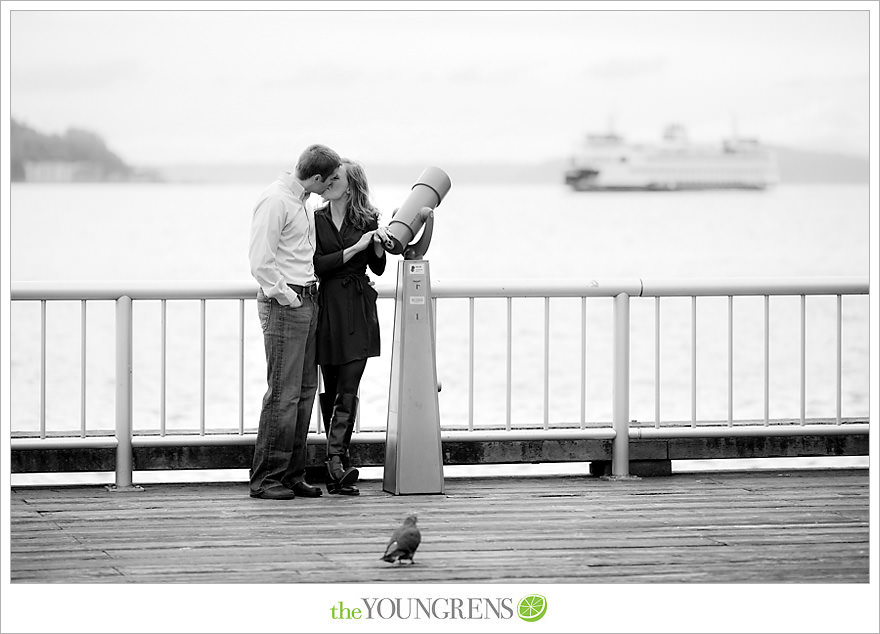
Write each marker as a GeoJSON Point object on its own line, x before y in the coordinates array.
{"type": "Point", "coordinates": [282, 246]}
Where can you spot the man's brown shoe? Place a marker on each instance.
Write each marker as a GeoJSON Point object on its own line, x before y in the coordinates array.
{"type": "Point", "coordinates": [274, 493]}
{"type": "Point", "coordinates": [306, 490]}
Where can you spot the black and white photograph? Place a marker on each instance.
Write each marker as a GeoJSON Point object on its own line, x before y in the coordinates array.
{"type": "Point", "coordinates": [439, 316]}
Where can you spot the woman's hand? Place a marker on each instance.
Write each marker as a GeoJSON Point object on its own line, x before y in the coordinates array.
{"type": "Point", "coordinates": [365, 240]}
{"type": "Point", "coordinates": [382, 238]}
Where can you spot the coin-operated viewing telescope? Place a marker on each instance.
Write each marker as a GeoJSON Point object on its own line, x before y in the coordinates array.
{"type": "Point", "coordinates": [413, 452]}
{"type": "Point", "coordinates": [417, 211]}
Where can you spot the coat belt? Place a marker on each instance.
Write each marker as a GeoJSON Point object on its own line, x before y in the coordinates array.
{"type": "Point", "coordinates": [357, 281]}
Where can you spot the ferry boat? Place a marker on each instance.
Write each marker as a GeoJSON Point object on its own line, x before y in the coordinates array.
{"type": "Point", "coordinates": [608, 162]}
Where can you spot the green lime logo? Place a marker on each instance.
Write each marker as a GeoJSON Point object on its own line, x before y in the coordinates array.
{"type": "Point", "coordinates": [532, 608]}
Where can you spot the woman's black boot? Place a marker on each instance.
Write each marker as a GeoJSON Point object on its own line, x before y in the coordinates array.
{"type": "Point", "coordinates": [343, 411]}
{"type": "Point", "coordinates": [346, 456]}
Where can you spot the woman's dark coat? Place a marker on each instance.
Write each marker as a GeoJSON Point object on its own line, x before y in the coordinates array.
{"type": "Point", "coordinates": [348, 325]}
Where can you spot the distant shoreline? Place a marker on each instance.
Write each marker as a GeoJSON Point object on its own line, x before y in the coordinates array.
{"type": "Point", "coordinates": [795, 166]}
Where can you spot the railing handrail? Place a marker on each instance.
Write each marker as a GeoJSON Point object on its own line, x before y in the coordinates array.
{"type": "Point", "coordinates": [634, 287]}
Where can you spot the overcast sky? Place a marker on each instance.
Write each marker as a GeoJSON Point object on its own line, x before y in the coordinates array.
{"type": "Point", "coordinates": [401, 86]}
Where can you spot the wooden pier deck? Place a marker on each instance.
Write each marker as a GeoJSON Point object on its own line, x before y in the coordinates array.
{"type": "Point", "coordinates": [731, 527]}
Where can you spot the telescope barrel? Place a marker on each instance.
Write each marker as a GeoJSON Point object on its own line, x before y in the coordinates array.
{"type": "Point", "coordinates": [428, 191]}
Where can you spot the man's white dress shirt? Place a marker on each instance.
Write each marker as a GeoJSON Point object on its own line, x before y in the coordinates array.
{"type": "Point", "coordinates": [283, 240]}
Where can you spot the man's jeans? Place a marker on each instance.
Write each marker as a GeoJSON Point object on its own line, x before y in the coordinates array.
{"type": "Point", "coordinates": [292, 377]}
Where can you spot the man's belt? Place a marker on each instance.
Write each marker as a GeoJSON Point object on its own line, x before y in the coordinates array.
{"type": "Point", "coordinates": [308, 289]}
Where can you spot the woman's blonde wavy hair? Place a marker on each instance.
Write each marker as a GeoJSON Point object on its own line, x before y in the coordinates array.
{"type": "Point", "coordinates": [360, 210]}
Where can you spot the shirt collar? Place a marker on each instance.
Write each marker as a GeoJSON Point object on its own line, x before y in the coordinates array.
{"type": "Point", "coordinates": [293, 185]}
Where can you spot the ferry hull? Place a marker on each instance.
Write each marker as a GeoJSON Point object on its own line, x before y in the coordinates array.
{"type": "Point", "coordinates": [586, 184]}
{"type": "Point", "coordinates": [607, 163]}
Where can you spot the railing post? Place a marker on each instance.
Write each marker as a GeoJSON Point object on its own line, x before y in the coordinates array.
{"type": "Point", "coordinates": [123, 397]}
{"type": "Point", "coordinates": [620, 451]}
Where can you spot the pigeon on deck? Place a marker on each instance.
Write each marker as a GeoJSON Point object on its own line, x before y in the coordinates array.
{"type": "Point", "coordinates": [404, 541]}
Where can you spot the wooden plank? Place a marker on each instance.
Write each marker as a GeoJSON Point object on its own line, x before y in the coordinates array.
{"type": "Point", "coordinates": [767, 447]}
{"type": "Point", "coordinates": [745, 527]}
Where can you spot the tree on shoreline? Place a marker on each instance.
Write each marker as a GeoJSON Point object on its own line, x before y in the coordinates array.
{"type": "Point", "coordinates": [74, 146]}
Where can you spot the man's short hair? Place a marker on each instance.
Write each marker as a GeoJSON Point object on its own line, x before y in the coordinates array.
{"type": "Point", "coordinates": [317, 159]}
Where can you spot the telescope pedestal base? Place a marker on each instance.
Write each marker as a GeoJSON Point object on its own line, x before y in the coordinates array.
{"type": "Point", "coordinates": [413, 452]}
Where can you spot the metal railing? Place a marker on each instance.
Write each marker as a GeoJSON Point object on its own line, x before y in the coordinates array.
{"type": "Point", "coordinates": [620, 430]}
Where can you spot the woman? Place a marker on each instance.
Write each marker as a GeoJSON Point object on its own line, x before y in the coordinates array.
{"type": "Point", "coordinates": [348, 240]}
